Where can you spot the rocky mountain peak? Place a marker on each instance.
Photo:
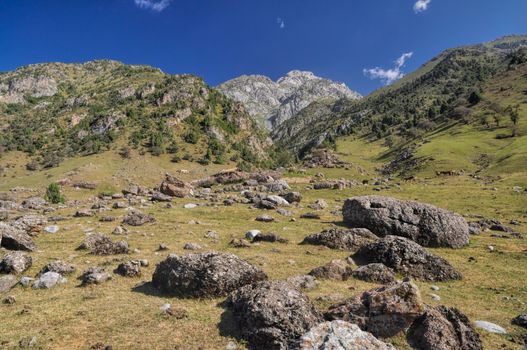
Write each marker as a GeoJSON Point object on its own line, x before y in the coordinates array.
{"type": "Point", "coordinates": [271, 103]}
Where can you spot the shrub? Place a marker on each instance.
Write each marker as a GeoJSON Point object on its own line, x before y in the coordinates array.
{"type": "Point", "coordinates": [53, 194]}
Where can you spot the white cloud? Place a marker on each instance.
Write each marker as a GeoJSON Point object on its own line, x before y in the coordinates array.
{"type": "Point", "coordinates": [154, 5]}
{"type": "Point", "coordinates": [388, 76]}
{"type": "Point", "coordinates": [280, 22]}
{"type": "Point", "coordinates": [421, 5]}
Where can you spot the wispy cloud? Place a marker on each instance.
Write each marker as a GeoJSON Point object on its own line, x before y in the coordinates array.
{"type": "Point", "coordinates": [280, 22]}
{"type": "Point", "coordinates": [388, 76]}
{"type": "Point", "coordinates": [154, 5]}
{"type": "Point", "coordinates": [421, 5]}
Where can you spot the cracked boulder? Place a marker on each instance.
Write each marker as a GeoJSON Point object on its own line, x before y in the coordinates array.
{"type": "Point", "coordinates": [384, 311]}
{"type": "Point", "coordinates": [344, 239]}
{"type": "Point", "coordinates": [408, 258]}
{"type": "Point", "coordinates": [425, 224]}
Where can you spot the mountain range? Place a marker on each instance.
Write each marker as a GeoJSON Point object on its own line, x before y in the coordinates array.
{"type": "Point", "coordinates": [272, 103]}
{"type": "Point", "coordinates": [54, 111]}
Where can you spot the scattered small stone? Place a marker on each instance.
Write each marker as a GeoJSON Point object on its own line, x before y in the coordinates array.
{"type": "Point", "coordinates": [269, 237]}
{"type": "Point", "coordinates": [251, 234]}
{"type": "Point", "coordinates": [49, 280]}
{"type": "Point", "coordinates": [27, 342]}
{"type": "Point", "coordinates": [84, 213]}
{"type": "Point", "coordinates": [284, 212]}
{"type": "Point", "coordinates": [51, 229]}
{"type": "Point", "coordinates": [129, 269]}
{"type": "Point", "coordinates": [239, 243]}
{"type": "Point", "coordinates": [162, 247]}
{"type": "Point", "coordinates": [7, 282]}
{"type": "Point", "coordinates": [265, 218]}
{"type": "Point", "coordinates": [26, 281]}
{"type": "Point", "coordinates": [192, 246]}
{"type": "Point", "coordinates": [320, 204]}
{"type": "Point", "coordinates": [435, 297]}
{"type": "Point", "coordinates": [9, 300]}
{"type": "Point", "coordinates": [94, 275]}
{"type": "Point", "coordinates": [433, 287]}
{"type": "Point", "coordinates": [490, 327]}
{"type": "Point", "coordinates": [520, 320]}
{"type": "Point", "coordinates": [212, 235]}
{"type": "Point", "coordinates": [313, 216]}
{"type": "Point", "coordinates": [136, 218]}
{"type": "Point", "coordinates": [190, 206]}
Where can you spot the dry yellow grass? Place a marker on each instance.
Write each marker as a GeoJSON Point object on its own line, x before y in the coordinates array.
{"type": "Point", "coordinates": [126, 315]}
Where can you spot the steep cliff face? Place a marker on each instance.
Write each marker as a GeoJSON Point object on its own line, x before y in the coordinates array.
{"type": "Point", "coordinates": [271, 103]}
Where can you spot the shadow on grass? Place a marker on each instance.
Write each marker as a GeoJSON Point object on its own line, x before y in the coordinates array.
{"type": "Point", "coordinates": [228, 326]}
{"type": "Point", "coordinates": [147, 288]}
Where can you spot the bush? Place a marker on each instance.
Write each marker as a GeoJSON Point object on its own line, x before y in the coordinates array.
{"type": "Point", "coordinates": [53, 194]}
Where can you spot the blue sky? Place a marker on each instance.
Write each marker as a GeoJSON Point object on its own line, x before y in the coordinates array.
{"type": "Point", "coordinates": [354, 41]}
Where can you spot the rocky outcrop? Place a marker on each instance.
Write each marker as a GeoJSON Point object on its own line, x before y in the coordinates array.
{"type": "Point", "coordinates": [272, 315]}
{"type": "Point", "coordinates": [16, 89]}
{"type": "Point", "coordinates": [408, 258]}
{"type": "Point", "coordinates": [443, 328]}
{"type": "Point", "coordinates": [384, 311]}
{"type": "Point", "coordinates": [272, 103]}
{"type": "Point", "coordinates": [423, 223]}
{"type": "Point", "coordinates": [174, 187]}
{"type": "Point", "coordinates": [344, 239]}
{"type": "Point", "coordinates": [204, 275]}
{"type": "Point", "coordinates": [340, 335]}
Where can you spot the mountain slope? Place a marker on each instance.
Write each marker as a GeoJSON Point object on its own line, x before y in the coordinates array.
{"type": "Point", "coordinates": [53, 111]}
{"type": "Point", "coordinates": [272, 103]}
{"type": "Point", "coordinates": [459, 87]}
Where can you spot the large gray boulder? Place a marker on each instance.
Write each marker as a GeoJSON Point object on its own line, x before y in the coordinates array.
{"type": "Point", "coordinates": [407, 257]}
{"type": "Point", "coordinates": [340, 335]}
{"type": "Point", "coordinates": [423, 223]}
{"type": "Point", "coordinates": [13, 238]}
{"type": "Point", "coordinates": [384, 311]}
{"type": "Point", "coordinates": [443, 328]}
{"type": "Point", "coordinates": [272, 314]}
{"type": "Point", "coordinates": [15, 263]}
{"type": "Point", "coordinates": [204, 275]}
{"type": "Point", "coordinates": [344, 239]}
